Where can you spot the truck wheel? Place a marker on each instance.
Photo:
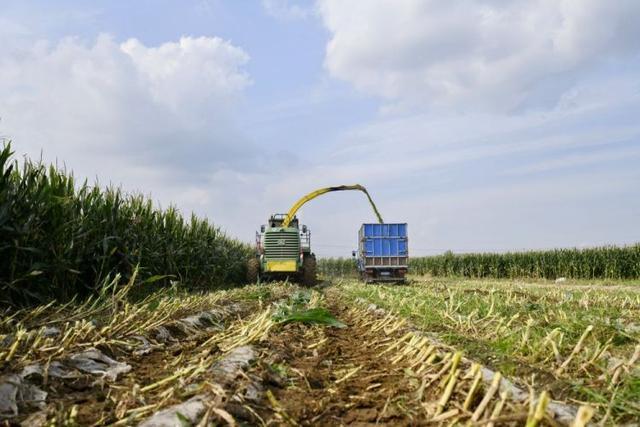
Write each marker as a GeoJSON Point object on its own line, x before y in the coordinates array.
{"type": "Point", "coordinates": [309, 270]}
{"type": "Point", "coordinates": [253, 270]}
{"type": "Point", "coordinates": [366, 278]}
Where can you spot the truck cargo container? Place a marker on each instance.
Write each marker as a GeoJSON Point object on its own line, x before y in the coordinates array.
{"type": "Point", "coordinates": [383, 252]}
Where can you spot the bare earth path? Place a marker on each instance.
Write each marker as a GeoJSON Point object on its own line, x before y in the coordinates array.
{"type": "Point", "coordinates": [337, 375]}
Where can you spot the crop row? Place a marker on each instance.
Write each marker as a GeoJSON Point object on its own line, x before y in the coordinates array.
{"type": "Point", "coordinates": [583, 340]}
{"type": "Point", "coordinates": [61, 238]}
{"type": "Point", "coordinates": [606, 262]}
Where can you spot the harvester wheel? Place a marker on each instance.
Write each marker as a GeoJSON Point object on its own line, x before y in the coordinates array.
{"type": "Point", "coordinates": [309, 277]}
{"type": "Point", "coordinates": [253, 269]}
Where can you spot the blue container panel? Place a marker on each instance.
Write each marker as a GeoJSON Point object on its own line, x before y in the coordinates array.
{"type": "Point", "coordinates": [384, 230]}
{"type": "Point", "coordinates": [368, 247]}
{"type": "Point", "coordinates": [403, 249]}
{"type": "Point", "coordinates": [384, 240]}
{"type": "Point", "coordinates": [385, 246]}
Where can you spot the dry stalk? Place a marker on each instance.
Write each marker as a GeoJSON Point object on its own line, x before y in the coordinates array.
{"type": "Point", "coordinates": [493, 388]}
{"type": "Point", "coordinates": [447, 391]}
{"type": "Point", "coordinates": [575, 350]}
{"type": "Point", "coordinates": [540, 410]}
{"type": "Point", "coordinates": [584, 415]}
{"type": "Point", "coordinates": [526, 334]}
{"type": "Point", "coordinates": [349, 374]}
{"type": "Point", "coordinates": [618, 370]}
{"type": "Point", "coordinates": [477, 377]}
{"type": "Point", "coordinates": [498, 408]}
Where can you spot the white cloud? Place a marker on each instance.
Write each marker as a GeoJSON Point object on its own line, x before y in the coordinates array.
{"type": "Point", "coordinates": [108, 108]}
{"type": "Point", "coordinates": [575, 160]}
{"type": "Point", "coordinates": [192, 74]}
{"type": "Point", "coordinates": [11, 28]}
{"type": "Point", "coordinates": [480, 181]}
{"type": "Point", "coordinates": [286, 9]}
{"type": "Point", "coordinates": [496, 54]}
{"type": "Point", "coordinates": [514, 123]}
{"type": "Point", "coordinates": [156, 119]}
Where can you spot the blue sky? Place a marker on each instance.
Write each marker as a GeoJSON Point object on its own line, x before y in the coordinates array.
{"type": "Point", "coordinates": [486, 125]}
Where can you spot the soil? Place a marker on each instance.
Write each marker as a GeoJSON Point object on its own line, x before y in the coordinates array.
{"type": "Point", "coordinates": [316, 361]}
{"type": "Point", "coordinates": [302, 375]}
{"type": "Point", "coordinates": [99, 402]}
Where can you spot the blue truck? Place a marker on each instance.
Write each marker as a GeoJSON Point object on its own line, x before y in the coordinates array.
{"type": "Point", "coordinates": [383, 252]}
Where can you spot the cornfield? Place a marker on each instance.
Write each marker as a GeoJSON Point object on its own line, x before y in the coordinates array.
{"type": "Point", "coordinates": [60, 238]}
{"type": "Point", "coordinates": [340, 267]}
{"type": "Point", "coordinates": [607, 262]}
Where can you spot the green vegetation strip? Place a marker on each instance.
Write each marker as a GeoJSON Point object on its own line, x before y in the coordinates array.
{"type": "Point", "coordinates": [60, 238]}
{"type": "Point", "coordinates": [606, 262]}
{"type": "Point", "coordinates": [580, 342]}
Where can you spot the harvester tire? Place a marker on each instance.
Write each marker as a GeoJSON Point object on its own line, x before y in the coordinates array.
{"type": "Point", "coordinates": [253, 270]}
{"type": "Point", "coordinates": [309, 274]}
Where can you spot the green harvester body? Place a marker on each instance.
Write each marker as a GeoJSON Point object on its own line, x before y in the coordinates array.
{"type": "Point", "coordinates": [284, 252]}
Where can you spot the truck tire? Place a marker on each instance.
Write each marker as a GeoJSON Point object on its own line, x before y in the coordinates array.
{"type": "Point", "coordinates": [253, 270]}
{"type": "Point", "coordinates": [309, 277]}
{"type": "Point", "coordinates": [365, 277]}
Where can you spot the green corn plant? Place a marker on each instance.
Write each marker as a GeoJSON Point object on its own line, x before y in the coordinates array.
{"type": "Point", "coordinates": [60, 238]}
{"type": "Point", "coordinates": [606, 262]}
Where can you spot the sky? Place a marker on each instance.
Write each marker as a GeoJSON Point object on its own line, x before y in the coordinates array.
{"type": "Point", "coordinates": [487, 125]}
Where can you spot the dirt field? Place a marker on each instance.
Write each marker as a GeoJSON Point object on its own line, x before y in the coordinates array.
{"type": "Point", "coordinates": [431, 353]}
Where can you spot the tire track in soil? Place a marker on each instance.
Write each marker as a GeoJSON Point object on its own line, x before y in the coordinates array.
{"type": "Point", "coordinates": [335, 376]}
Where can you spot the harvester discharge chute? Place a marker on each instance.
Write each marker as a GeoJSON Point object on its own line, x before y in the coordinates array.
{"type": "Point", "coordinates": [283, 247]}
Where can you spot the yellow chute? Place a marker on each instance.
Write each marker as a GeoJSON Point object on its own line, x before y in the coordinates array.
{"type": "Point", "coordinates": [314, 194]}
